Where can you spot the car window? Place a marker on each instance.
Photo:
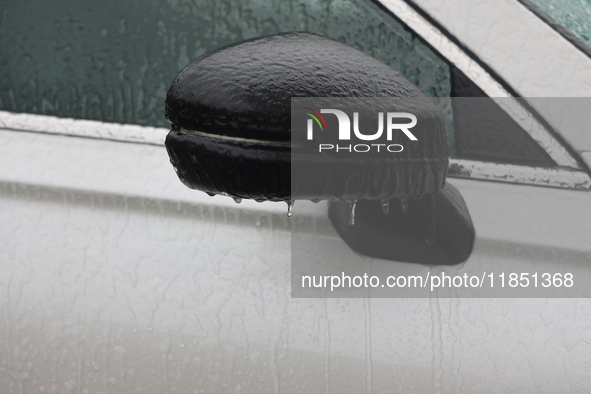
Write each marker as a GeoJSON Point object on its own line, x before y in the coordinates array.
{"type": "Point", "coordinates": [114, 60]}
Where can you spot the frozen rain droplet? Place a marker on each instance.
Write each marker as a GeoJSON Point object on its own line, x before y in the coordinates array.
{"type": "Point", "coordinates": [352, 205]}
{"type": "Point", "coordinates": [289, 206]}
{"type": "Point", "coordinates": [404, 205]}
{"type": "Point", "coordinates": [316, 201]}
{"type": "Point", "coordinates": [385, 207]}
{"type": "Point", "coordinates": [210, 194]}
{"type": "Point", "coordinates": [237, 200]}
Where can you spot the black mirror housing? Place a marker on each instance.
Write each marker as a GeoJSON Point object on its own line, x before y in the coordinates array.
{"type": "Point", "coordinates": [432, 230]}
{"type": "Point", "coordinates": [232, 134]}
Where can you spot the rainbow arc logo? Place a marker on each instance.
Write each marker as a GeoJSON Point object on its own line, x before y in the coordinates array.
{"type": "Point", "coordinates": [315, 117]}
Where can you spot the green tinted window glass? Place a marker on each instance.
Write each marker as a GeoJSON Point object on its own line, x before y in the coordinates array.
{"type": "Point", "coordinates": [575, 15]}
{"type": "Point", "coordinates": [113, 60]}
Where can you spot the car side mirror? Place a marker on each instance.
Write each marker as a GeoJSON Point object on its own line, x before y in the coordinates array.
{"type": "Point", "coordinates": [233, 133]}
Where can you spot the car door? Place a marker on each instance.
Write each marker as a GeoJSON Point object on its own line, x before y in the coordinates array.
{"type": "Point", "coordinates": [117, 278]}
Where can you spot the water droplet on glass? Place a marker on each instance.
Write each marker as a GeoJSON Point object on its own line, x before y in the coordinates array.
{"type": "Point", "coordinates": [352, 205]}
{"type": "Point", "coordinates": [385, 207]}
{"type": "Point", "coordinates": [404, 205]}
{"type": "Point", "coordinates": [237, 200]}
{"type": "Point", "coordinates": [210, 194]}
{"type": "Point", "coordinates": [289, 206]}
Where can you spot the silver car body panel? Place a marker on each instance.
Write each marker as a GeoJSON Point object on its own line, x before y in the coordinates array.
{"type": "Point", "coordinates": [117, 278]}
